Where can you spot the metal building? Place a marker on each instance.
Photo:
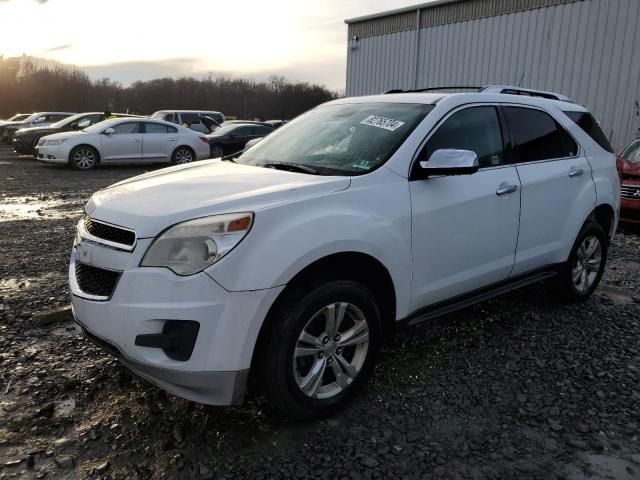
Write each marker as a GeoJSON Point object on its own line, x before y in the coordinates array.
{"type": "Point", "coordinates": [586, 49]}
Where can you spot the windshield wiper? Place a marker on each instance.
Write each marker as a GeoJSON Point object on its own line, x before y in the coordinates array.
{"type": "Point", "coordinates": [289, 167]}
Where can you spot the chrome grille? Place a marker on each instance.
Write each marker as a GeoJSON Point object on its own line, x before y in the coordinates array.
{"type": "Point", "coordinates": [96, 281]}
{"type": "Point", "coordinates": [630, 191]}
{"type": "Point", "coordinates": [109, 232]}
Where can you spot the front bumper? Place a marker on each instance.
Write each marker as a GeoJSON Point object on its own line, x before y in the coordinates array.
{"type": "Point", "coordinates": [22, 147]}
{"type": "Point", "coordinates": [144, 299]}
{"type": "Point", "coordinates": [56, 154]}
{"type": "Point", "coordinates": [629, 210]}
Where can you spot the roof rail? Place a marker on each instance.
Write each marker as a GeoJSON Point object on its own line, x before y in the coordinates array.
{"type": "Point", "coordinates": [511, 90]}
{"type": "Point", "coordinates": [435, 89]}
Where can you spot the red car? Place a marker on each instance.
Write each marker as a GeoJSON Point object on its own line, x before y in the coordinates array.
{"type": "Point", "coordinates": [628, 163]}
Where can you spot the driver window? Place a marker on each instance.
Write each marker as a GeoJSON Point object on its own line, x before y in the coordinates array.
{"type": "Point", "coordinates": [476, 129]}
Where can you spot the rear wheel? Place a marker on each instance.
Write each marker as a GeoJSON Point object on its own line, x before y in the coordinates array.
{"type": "Point", "coordinates": [182, 155]}
{"type": "Point", "coordinates": [585, 266]}
{"type": "Point", "coordinates": [321, 349]}
{"type": "Point", "coordinates": [83, 157]}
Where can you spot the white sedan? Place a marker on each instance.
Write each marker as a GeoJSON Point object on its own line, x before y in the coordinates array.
{"type": "Point", "coordinates": [124, 140]}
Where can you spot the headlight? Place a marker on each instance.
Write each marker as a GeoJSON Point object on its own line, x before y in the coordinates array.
{"type": "Point", "coordinates": [53, 143]}
{"type": "Point", "coordinates": [190, 247]}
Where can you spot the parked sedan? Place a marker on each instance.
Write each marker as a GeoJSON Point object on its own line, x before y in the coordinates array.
{"type": "Point", "coordinates": [15, 120]}
{"type": "Point", "coordinates": [26, 139]}
{"type": "Point", "coordinates": [628, 163]}
{"type": "Point", "coordinates": [40, 119]}
{"type": "Point", "coordinates": [233, 138]}
{"type": "Point", "coordinates": [124, 140]}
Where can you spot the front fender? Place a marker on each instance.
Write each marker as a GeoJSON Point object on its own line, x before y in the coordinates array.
{"type": "Point", "coordinates": [370, 217]}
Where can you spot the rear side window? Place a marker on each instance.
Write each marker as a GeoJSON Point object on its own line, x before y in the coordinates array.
{"type": "Point", "coordinates": [535, 135]}
{"type": "Point", "coordinates": [476, 129]}
{"type": "Point", "coordinates": [587, 123]}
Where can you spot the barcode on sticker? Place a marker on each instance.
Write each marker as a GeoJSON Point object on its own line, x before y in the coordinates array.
{"type": "Point", "coordinates": [382, 122]}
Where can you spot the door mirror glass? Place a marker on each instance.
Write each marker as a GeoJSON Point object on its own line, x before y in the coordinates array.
{"type": "Point", "coordinates": [109, 131]}
{"type": "Point", "coordinates": [448, 161]}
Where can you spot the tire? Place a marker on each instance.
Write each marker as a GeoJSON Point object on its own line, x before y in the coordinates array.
{"type": "Point", "coordinates": [584, 268]}
{"type": "Point", "coordinates": [83, 157]}
{"type": "Point", "coordinates": [217, 151]}
{"type": "Point", "coordinates": [289, 365]}
{"type": "Point", "coordinates": [182, 155]}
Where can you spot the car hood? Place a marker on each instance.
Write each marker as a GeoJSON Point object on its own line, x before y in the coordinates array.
{"type": "Point", "coordinates": [154, 201]}
{"type": "Point", "coordinates": [58, 136]}
{"type": "Point", "coordinates": [37, 131]}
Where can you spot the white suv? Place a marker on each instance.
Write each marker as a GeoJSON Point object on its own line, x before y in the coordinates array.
{"type": "Point", "coordinates": [292, 262]}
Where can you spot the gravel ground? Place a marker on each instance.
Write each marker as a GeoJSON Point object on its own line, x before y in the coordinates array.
{"type": "Point", "coordinates": [518, 387]}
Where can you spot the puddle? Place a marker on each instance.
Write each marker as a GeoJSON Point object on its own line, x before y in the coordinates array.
{"type": "Point", "coordinates": [34, 208]}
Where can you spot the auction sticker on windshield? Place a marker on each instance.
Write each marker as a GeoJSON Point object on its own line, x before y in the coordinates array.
{"type": "Point", "coordinates": [382, 122]}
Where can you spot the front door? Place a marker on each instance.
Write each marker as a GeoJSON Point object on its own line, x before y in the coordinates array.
{"type": "Point", "coordinates": [125, 144]}
{"type": "Point", "coordinates": [465, 228]}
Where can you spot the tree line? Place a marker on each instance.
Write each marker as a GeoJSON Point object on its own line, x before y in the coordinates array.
{"type": "Point", "coordinates": [29, 85]}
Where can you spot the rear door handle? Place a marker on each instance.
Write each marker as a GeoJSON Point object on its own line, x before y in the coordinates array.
{"type": "Point", "coordinates": [505, 188]}
{"type": "Point", "coordinates": [575, 172]}
{"type": "Point", "coordinates": [171, 139]}
{"type": "Point", "coordinates": [137, 140]}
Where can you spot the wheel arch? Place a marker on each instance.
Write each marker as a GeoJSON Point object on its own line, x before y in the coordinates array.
{"type": "Point", "coordinates": [604, 215]}
{"type": "Point", "coordinates": [87, 145]}
{"type": "Point", "coordinates": [357, 266]}
{"type": "Point", "coordinates": [183, 145]}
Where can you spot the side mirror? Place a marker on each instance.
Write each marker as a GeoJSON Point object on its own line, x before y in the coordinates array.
{"type": "Point", "coordinates": [74, 126]}
{"type": "Point", "coordinates": [109, 131]}
{"type": "Point", "coordinates": [450, 162]}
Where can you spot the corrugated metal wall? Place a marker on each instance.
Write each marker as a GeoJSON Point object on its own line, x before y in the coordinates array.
{"type": "Point", "coordinates": [589, 50]}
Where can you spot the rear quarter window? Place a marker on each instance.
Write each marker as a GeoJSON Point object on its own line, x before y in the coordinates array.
{"type": "Point", "coordinates": [587, 123]}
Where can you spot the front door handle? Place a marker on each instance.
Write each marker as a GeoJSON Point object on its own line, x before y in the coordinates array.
{"type": "Point", "coordinates": [575, 172]}
{"type": "Point", "coordinates": [137, 140]}
{"type": "Point", "coordinates": [505, 188]}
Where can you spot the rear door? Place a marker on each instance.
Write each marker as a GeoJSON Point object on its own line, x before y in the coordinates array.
{"type": "Point", "coordinates": [557, 189]}
{"type": "Point", "coordinates": [123, 145]}
{"type": "Point", "coordinates": [158, 141]}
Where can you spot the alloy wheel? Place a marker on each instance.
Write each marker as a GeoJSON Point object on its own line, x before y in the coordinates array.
{"type": "Point", "coordinates": [331, 350]}
{"type": "Point", "coordinates": [84, 158]}
{"type": "Point", "coordinates": [216, 151]}
{"type": "Point", "coordinates": [587, 264]}
{"type": "Point", "coordinates": [183, 156]}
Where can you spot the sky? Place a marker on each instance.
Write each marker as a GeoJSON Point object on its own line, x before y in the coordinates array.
{"type": "Point", "coordinates": [128, 40]}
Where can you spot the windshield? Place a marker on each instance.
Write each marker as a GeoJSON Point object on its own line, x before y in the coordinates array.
{"type": "Point", "coordinates": [159, 115]}
{"type": "Point", "coordinates": [342, 139]}
{"type": "Point", "coordinates": [19, 117]}
{"type": "Point", "coordinates": [632, 153]}
{"type": "Point", "coordinates": [224, 130]}
{"type": "Point", "coordinates": [67, 120]}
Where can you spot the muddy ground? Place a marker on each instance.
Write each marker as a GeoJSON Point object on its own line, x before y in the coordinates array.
{"type": "Point", "coordinates": [518, 387]}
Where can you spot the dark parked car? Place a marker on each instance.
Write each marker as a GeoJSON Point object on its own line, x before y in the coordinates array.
{"type": "Point", "coordinates": [233, 138]}
{"type": "Point", "coordinates": [25, 140]}
{"type": "Point", "coordinates": [628, 163]}
{"type": "Point", "coordinates": [15, 120]}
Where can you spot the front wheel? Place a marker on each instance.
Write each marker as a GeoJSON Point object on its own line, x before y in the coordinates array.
{"type": "Point", "coordinates": [585, 266]}
{"type": "Point", "coordinates": [320, 349]}
{"type": "Point", "coordinates": [83, 158]}
{"type": "Point", "coordinates": [217, 151]}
